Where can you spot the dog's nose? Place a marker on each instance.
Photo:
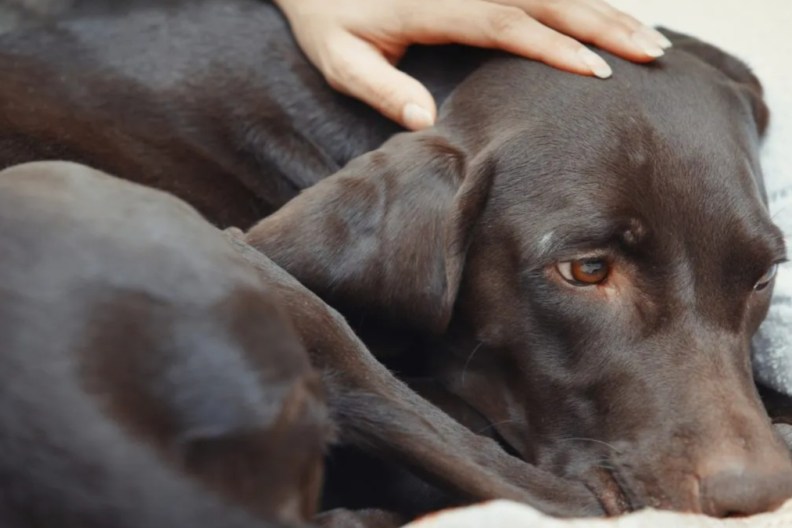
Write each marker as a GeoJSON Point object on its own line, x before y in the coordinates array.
{"type": "Point", "coordinates": [741, 491]}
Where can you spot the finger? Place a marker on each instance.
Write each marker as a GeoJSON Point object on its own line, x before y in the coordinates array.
{"type": "Point", "coordinates": [581, 20]}
{"type": "Point", "coordinates": [360, 70]}
{"type": "Point", "coordinates": [631, 22]}
{"type": "Point", "coordinates": [491, 25]}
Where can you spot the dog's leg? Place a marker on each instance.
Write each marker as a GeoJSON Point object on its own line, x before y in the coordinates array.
{"type": "Point", "coordinates": [376, 411]}
{"type": "Point", "coordinates": [379, 413]}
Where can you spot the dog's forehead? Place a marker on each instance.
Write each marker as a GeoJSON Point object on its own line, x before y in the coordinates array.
{"type": "Point", "coordinates": [673, 94]}
{"type": "Point", "coordinates": [638, 183]}
{"type": "Point", "coordinates": [675, 129]}
{"type": "Point", "coordinates": [626, 162]}
{"type": "Point", "coordinates": [677, 160]}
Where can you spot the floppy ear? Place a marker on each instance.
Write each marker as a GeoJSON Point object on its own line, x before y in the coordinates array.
{"type": "Point", "coordinates": [388, 233]}
{"type": "Point", "coordinates": [732, 67]}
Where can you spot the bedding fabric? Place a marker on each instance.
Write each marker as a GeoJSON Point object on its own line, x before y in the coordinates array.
{"type": "Point", "coordinates": [505, 514]}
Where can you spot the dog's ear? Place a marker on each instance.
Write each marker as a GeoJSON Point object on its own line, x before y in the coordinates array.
{"type": "Point", "coordinates": [732, 67]}
{"type": "Point", "coordinates": [387, 234]}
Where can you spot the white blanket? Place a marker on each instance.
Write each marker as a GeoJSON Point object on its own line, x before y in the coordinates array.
{"type": "Point", "coordinates": [505, 514]}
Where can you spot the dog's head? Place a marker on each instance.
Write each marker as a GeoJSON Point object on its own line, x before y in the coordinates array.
{"type": "Point", "coordinates": [592, 257]}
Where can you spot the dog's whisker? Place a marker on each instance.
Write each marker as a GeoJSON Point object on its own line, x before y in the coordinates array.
{"type": "Point", "coordinates": [494, 424]}
{"type": "Point", "coordinates": [467, 362]}
{"type": "Point", "coordinates": [594, 440]}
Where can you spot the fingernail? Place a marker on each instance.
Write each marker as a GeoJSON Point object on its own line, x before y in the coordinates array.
{"type": "Point", "coordinates": [595, 63]}
{"type": "Point", "coordinates": [658, 37]}
{"type": "Point", "coordinates": [416, 117]}
{"type": "Point", "coordinates": [647, 44]}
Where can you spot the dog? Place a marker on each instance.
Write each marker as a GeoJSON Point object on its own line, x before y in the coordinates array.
{"type": "Point", "coordinates": [579, 262]}
{"type": "Point", "coordinates": [584, 265]}
{"type": "Point", "coordinates": [155, 372]}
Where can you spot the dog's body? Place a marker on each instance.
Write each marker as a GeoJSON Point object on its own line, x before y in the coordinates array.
{"type": "Point", "coordinates": [135, 384]}
{"type": "Point", "coordinates": [455, 237]}
{"type": "Point", "coordinates": [212, 101]}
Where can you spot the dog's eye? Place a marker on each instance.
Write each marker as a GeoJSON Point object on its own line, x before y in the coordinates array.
{"type": "Point", "coordinates": [767, 278]}
{"type": "Point", "coordinates": [584, 272]}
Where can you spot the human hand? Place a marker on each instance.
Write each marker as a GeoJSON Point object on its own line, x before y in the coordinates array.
{"type": "Point", "coordinates": [356, 43]}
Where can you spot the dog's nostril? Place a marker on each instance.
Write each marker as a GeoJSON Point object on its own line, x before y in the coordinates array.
{"type": "Point", "coordinates": [740, 492]}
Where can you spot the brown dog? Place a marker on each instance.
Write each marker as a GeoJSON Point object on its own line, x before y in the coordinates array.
{"type": "Point", "coordinates": [582, 262]}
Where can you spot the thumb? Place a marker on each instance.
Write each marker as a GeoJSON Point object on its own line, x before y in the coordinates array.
{"type": "Point", "coordinates": [357, 68]}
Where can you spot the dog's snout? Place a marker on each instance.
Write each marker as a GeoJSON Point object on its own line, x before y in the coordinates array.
{"type": "Point", "coordinates": [738, 489]}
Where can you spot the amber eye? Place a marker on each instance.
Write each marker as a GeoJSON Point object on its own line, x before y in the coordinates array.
{"type": "Point", "coordinates": [767, 278]}
{"type": "Point", "coordinates": [584, 272]}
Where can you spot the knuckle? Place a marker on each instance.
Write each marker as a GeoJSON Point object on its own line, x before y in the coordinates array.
{"type": "Point", "coordinates": [347, 79]}
{"type": "Point", "coordinates": [505, 21]}
{"type": "Point", "coordinates": [556, 48]}
{"type": "Point", "coordinates": [388, 98]}
{"type": "Point", "coordinates": [335, 83]}
{"type": "Point", "coordinates": [554, 12]}
{"type": "Point", "coordinates": [627, 21]}
{"type": "Point", "coordinates": [552, 6]}
{"type": "Point", "coordinates": [340, 72]}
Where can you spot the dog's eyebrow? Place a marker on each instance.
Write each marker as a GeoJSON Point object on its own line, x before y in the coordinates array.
{"type": "Point", "coordinates": [545, 241]}
{"type": "Point", "coordinates": [595, 234]}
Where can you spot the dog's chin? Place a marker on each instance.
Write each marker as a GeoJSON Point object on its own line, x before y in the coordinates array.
{"type": "Point", "coordinates": [604, 484]}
